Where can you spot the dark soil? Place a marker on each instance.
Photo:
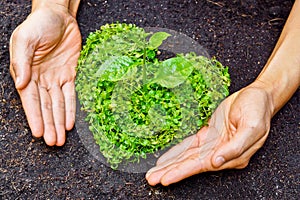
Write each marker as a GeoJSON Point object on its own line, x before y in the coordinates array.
{"type": "Point", "coordinates": [241, 34]}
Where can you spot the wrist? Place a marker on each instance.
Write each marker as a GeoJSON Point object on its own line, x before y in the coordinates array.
{"type": "Point", "coordinates": [281, 75]}
{"type": "Point", "coordinates": [36, 4]}
{"type": "Point", "coordinates": [71, 6]}
{"type": "Point", "coordinates": [266, 90]}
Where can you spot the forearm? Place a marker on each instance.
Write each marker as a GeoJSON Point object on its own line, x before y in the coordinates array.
{"type": "Point", "coordinates": [70, 5]}
{"type": "Point", "coordinates": [281, 75]}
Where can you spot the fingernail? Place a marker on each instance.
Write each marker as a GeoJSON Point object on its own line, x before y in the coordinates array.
{"type": "Point", "coordinates": [219, 161]}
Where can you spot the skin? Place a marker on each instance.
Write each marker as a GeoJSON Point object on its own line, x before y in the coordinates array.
{"type": "Point", "coordinates": [44, 51]}
{"type": "Point", "coordinates": [241, 123]}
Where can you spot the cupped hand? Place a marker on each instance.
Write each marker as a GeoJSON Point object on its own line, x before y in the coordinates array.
{"type": "Point", "coordinates": [236, 130]}
{"type": "Point", "coordinates": [43, 52]}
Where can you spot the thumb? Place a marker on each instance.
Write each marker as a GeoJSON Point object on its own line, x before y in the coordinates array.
{"type": "Point", "coordinates": [21, 54]}
{"type": "Point", "coordinates": [235, 147]}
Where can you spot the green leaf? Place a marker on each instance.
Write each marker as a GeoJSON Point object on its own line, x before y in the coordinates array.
{"type": "Point", "coordinates": [172, 72]}
{"type": "Point", "coordinates": [156, 39]}
{"type": "Point", "coordinates": [114, 68]}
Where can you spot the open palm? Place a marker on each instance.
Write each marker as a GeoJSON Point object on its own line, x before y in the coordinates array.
{"type": "Point", "coordinates": [237, 129]}
{"type": "Point", "coordinates": [44, 50]}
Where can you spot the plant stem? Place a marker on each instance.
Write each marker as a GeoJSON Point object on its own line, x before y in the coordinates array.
{"type": "Point", "coordinates": [144, 70]}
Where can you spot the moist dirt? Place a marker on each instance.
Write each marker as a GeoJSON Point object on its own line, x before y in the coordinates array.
{"type": "Point", "coordinates": [241, 34]}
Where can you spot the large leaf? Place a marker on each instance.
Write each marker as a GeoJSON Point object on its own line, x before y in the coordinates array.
{"type": "Point", "coordinates": [114, 68]}
{"type": "Point", "coordinates": [172, 72]}
{"type": "Point", "coordinates": [156, 39]}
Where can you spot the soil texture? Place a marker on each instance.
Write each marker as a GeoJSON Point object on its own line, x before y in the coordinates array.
{"type": "Point", "coordinates": [240, 33]}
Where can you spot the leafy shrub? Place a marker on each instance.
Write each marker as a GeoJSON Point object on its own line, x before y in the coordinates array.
{"type": "Point", "coordinates": [137, 104]}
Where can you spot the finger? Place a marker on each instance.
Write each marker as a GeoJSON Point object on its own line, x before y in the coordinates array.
{"type": "Point", "coordinates": [205, 143]}
{"type": "Point", "coordinates": [236, 146]}
{"type": "Point", "coordinates": [70, 104]}
{"type": "Point", "coordinates": [191, 166]}
{"type": "Point", "coordinates": [154, 175]}
{"type": "Point", "coordinates": [46, 107]}
{"type": "Point", "coordinates": [190, 142]}
{"type": "Point", "coordinates": [186, 148]}
{"type": "Point", "coordinates": [58, 110]}
{"type": "Point", "coordinates": [243, 160]}
{"type": "Point", "coordinates": [202, 146]}
{"type": "Point", "coordinates": [21, 54]}
{"type": "Point", "coordinates": [179, 171]}
{"type": "Point", "coordinates": [178, 149]}
{"type": "Point", "coordinates": [168, 164]}
{"type": "Point", "coordinates": [31, 104]}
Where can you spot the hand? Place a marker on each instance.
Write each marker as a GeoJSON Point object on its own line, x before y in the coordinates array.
{"type": "Point", "coordinates": [237, 129]}
{"type": "Point", "coordinates": [44, 51]}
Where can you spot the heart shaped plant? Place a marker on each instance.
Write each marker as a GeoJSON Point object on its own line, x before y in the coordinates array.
{"type": "Point", "coordinates": [138, 104]}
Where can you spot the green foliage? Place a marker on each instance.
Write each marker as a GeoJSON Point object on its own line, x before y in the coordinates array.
{"type": "Point", "coordinates": [156, 39]}
{"type": "Point", "coordinates": [136, 104]}
{"type": "Point", "coordinates": [174, 71]}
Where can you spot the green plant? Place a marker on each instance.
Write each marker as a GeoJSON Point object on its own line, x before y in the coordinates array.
{"type": "Point", "coordinates": [137, 104]}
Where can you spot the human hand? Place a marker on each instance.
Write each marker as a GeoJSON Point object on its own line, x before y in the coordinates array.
{"type": "Point", "coordinates": [237, 129]}
{"type": "Point", "coordinates": [44, 51]}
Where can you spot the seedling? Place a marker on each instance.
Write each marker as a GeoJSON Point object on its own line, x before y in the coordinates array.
{"type": "Point", "coordinates": [137, 104]}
